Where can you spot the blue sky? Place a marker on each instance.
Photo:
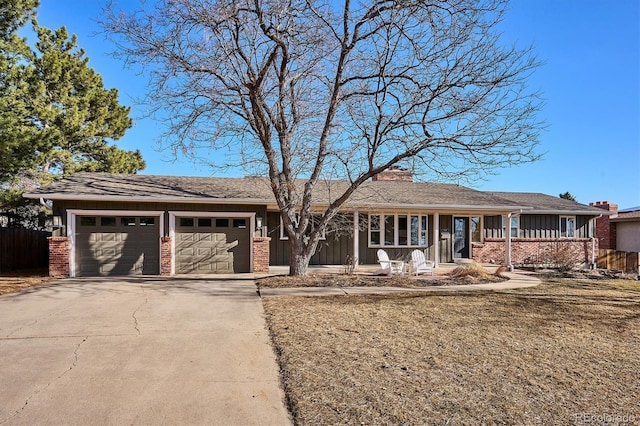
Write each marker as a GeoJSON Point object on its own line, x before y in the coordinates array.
{"type": "Point", "coordinates": [590, 83]}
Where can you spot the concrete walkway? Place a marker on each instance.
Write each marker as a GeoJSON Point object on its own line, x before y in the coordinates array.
{"type": "Point", "coordinates": [138, 351]}
{"type": "Point", "coordinates": [516, 280]}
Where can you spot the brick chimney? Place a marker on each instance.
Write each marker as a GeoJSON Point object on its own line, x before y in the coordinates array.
{"type": "Point", "coordinates": [605, 230]}
{"type": "Point", "coordinates": [396, 174]}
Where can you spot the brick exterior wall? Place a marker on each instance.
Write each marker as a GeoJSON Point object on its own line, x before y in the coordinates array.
{"type": "Point", "coordinates": [535, 251]}
{"type": "Point", "coordinates": [605, 230]}
{"type": "Point", "coordinates": [165, 256]}
{"type": "Point", "coordinates": [58, 256]}
{"type": "Point", "coordinates": [261, 254]}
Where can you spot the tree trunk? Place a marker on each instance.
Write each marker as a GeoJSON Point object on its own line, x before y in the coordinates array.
{"type": "Point", "coordinates": [299, 259]}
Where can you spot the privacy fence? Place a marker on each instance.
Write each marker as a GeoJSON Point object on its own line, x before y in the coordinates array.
{"type": "Point", "coordinates": [23, 249]}
{"type": "Point", "coordinates": [619, 260]}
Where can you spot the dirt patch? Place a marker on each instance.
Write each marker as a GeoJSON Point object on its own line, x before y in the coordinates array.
{"type": "Point", "coordinates": [541, 355]}
{"type": "Point", "coordinates": [15, 281]}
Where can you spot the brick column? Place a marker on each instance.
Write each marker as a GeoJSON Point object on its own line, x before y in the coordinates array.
{"type": "Point", "coordinates": [261, 254]}
{"type": "Point", "coordinates": [58, 256]}
{"type": "Point", "coordinates": [605, 230]}
{"type": "Point", "coordinates": [165, 256]}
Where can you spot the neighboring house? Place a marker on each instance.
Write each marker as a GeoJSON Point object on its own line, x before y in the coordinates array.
{"type": "Point", "coordinates": [136, 224]}
{"type": "Point", "coordinates": [619, 231]}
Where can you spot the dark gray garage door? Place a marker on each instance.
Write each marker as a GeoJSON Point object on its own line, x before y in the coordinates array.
{"type": "Point", "coordinates": [115, 245]}
{"type": "Point", "coordinates": [212, 245]}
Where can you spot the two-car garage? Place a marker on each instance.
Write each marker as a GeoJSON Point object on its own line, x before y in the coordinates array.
{"type": "Point", "coordinates": [129, 243]}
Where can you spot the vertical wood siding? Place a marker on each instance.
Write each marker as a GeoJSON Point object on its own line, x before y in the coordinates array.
{"type": "Point", "coordinates": [537, 226]}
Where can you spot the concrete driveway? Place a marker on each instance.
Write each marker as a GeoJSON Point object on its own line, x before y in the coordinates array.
{"type": "Point", "coordinates": [138, 351]}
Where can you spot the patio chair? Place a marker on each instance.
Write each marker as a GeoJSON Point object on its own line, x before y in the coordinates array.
{"type": "Point", "coordinates": [419, 263]}
{"type": "Point", "coordinates": [390, 266]}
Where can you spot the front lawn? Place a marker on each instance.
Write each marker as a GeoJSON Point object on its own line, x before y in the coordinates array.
{"type": "Point", "coordinates": [543, 355]}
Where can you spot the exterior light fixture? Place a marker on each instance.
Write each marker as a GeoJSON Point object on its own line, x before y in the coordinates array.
{"type": "Point", "coordinates": [57, 221]}
{"type": "Point", "coordinates": [259, 224]}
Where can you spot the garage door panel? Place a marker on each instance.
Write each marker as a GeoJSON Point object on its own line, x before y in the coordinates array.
{"type": "Point", "coordinates": [209, 250]}
{"type": "Point", "coordinates": [117, 249]}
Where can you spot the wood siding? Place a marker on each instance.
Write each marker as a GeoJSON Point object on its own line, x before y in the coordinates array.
{"type": "Point", "coordinates": [334, 251]}
{"type": "Point", "coordinates": [331, 251]}
{"type": "Point", "coordinates": [61, 207]}
{"type": "Point", "coordinates": [537, 226]}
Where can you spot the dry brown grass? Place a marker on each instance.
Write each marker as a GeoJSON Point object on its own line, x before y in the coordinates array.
{"type": "Point", "coordinates": [12, 282]}
{"type": "Point", "coordinates": [405, 281]}
{"type": "Point", "coordinates": [533, 356]}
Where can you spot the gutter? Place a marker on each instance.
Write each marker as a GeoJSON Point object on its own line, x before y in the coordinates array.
{"type": "Point", "coordinates": [146, 199]}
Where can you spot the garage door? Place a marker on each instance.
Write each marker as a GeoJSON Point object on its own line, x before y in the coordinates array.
{"type": "Point", "coordinates": [212, 245]}
{"type": "Point", "coordinates": [117, 245]}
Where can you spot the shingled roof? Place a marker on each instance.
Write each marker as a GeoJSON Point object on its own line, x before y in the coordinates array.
{"type": "Point", "coordinates": [543, 203]}
{"type": "Point", "coordinates": [257, 190]}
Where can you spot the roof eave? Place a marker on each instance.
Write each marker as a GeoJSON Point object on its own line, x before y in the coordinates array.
{"type": "Point", "coordinates": [625, 219]}
{"type": "Point", "coordinates": [195, 200]}
{"type": "Point", "coordinates": [570, 212]}
{"type": "Point", "coordinates": [440, 207]}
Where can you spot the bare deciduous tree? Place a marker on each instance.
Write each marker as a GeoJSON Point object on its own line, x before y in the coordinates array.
{"type": "Point", "coordinates": [309, 91]}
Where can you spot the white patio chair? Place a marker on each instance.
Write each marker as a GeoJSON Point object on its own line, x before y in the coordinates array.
{"type": "Point", "coordinates": [419, 263]}
{"type": "Point", "coordinates": [390, 266]}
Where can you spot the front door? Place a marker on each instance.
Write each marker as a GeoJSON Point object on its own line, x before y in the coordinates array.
{"type": "Point", "coordinates": [460, 237]}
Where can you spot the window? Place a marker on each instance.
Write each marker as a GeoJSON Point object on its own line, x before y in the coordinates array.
{"type": "Point", "coordinates": [128, 221]}
{"type": "Point", "coordinates": [108, 221]}
{"type": "Point", "coordinates": [415, 230]}
{"type": "Point", "coordinates": [222, 223]}
{"type": "Point", "coordinates": [204, 222]}
{"type": "Point", "coordinates": [476, 229]}
{"type": "Point", "coordinates": [314, 219]}
{"type": "Point", "coordinates": [403, 239]}
{"type": "Point", "coordinates": [374, 230]}
{"type": "Point", "coordinates": [389, 230]}
{"type": "Point", "coordinates": [186, 222]}
{"type": "Point", "coordinates": [147, 221]}
{"type": "Point", "coordinates": [398, 230]}
{"type": "Point", "coordinates": [567, 226]}
{"type": "Point", "coordinates": [240, 223]}
{"type": "Point", "coordinates": [515, 226]}
{"type": "Point", "coordinates": [87, 221]}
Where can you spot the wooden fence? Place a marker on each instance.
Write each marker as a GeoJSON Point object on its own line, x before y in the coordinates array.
{"type": "Point", "coordinates": [619, 260]}
{"type": "Point", "coordinates": [23, 249]}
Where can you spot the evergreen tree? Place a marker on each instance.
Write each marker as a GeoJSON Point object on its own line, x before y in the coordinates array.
{"type": "Point", "coordinates": [56, 116]}
{"type": "Point", "coordinates": [16, 133]}
{"type": "Point", "coordinates": [568, 196]}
